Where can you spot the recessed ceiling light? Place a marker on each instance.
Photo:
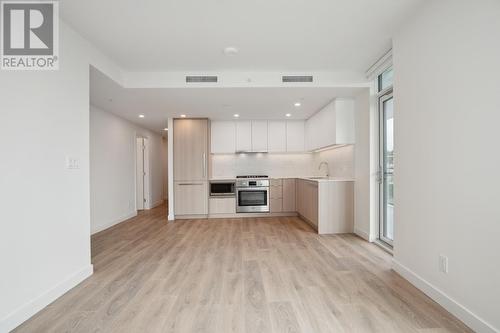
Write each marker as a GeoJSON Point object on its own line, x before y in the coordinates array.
{"type": "Point", "coordinates": [297, 104]}
{"type": "Point", "coordinates": [230, 51]}
{"type": "Point", "coordinates": [236, 115]}
{"type": "Point", "coordinates": [183, 116]}
{"type": "Point", "coordinates": [165, 129]}
{"type": "Point", "coordinates": [288, 115]}
{"type": "Point", "coordinates": [141, 116]}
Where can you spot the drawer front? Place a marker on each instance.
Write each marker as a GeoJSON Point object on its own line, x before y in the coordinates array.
{"type": "Point", "coordinates": [222, 205]}
{"type": "Point", "coordinates": [191, 198]}
{"type": "Point", "coordinates": [276, 182]}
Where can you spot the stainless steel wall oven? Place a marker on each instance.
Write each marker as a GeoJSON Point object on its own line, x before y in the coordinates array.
{"type": "Point", "coordinates": [252, 195]}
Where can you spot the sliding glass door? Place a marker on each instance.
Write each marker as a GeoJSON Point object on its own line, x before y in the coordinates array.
{"type": "Point", "coordinates": [386, 172]}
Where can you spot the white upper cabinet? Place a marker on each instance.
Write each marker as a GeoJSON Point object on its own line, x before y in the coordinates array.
{"type": "Point", "coordinates": [345, 121]}
{"type": "Point", "coordinates": [332, 125]}
{"type": "Point", "coordinates": [243, 136]}
{"type": "Point", "coordinates": [295, 136]}
{"type": "Point", "coordinates": [274, 136]}
{"type": "Point", "coordinates": [223, 137]}
{"type": "Point", "coordinates": [259, 136]}
{"type": "Point", "coordinates": [277, 136]}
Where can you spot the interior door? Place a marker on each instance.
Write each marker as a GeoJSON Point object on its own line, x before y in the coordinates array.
{"type": "Point", "coordinates": [140, 174]}
{"type": "Point", "coordinates": [386, 172]}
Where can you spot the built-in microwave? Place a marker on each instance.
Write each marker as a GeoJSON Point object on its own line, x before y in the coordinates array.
{"type": "Point", "coordinates": [222, 188]}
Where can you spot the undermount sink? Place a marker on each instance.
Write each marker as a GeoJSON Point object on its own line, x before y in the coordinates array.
{"type": "Point", "coordinates": [317, 178]}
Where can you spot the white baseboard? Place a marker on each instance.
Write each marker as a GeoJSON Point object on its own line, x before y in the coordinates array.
{"type": "Point", "coordinates": [26, 311]}
{"type": "Point", "coordinates": [363, 234]}
{"type": "Point", "coordinates": [457, 309]}
{"type": "Point", "coordinates": [112, 223]}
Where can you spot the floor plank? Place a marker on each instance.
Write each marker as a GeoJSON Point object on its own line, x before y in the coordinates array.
{"type": "Point", "coordinates": [238, 275]}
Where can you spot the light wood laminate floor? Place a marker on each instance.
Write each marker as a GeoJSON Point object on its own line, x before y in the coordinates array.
{"type": "Point", "coordinates": [238, 275]}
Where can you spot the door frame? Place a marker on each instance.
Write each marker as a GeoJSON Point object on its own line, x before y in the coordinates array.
{"type": "Point", "coordinates": [383, 96]}
{"type": "Point", "coordinates": [146, 170]}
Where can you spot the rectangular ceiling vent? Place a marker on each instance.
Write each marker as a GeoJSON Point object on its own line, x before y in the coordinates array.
{"type": "Point", "coordinates": [201, 79]}
{"type": "Point", "coordinates": [297, 78]}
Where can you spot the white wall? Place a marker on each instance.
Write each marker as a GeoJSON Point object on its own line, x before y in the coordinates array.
{"type": "Point", "coordinates": [364, 224]}
{"type": "Point", "coordinates": [447, 162]}
{"type": "Point", "coordinates": [45, 224]}
{"type": "Point", "coordinates": [112, 168]}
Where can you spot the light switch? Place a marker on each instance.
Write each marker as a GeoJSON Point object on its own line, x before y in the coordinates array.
{"type": "Point", "coordinates": [72, 163]}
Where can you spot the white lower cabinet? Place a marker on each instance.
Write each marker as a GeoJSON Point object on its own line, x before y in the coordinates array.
{"type": "Point", "coordinates": [191, 198]}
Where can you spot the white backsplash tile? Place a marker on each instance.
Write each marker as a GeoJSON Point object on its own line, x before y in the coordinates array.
{"type": "Point", "coordinates": [340, 161]}
{"type": "Point", "coordinates": [273, 165]}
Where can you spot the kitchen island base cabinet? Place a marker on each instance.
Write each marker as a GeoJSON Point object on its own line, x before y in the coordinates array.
{"type": "Point", "coordinates": [307, 201]}
{"type": "Point", "coordinates": [327, 206]}
{"type": "Point", "coordinates": [336, 207]}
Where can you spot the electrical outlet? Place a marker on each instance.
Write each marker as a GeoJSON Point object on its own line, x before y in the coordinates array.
{"type": "Point", "coordinates": [443, 264]}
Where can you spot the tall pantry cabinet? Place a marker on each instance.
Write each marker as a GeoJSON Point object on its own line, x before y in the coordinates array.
{"type": "Point", "coordinates": [190, 167]}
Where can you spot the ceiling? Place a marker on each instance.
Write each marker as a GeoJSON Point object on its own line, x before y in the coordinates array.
{"type": "Point", "coordinates": [271, 35]}
{"type": "Point", "coordinates": [158, 104]}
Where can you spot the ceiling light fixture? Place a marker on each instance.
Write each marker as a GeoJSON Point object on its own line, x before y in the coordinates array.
{"type": "Point", "coordinates": [288, 115]}
{"type": "Point", "coordinates": [230, 51]}
{"type": "Point", "coordinates": [141, 116]}
{"type": "Point", "coordinates": [297, 104]}
{"type": "Point", "coordinates": [183, 116]}
{"type": "Point", "coordinates": [236, 115]}
{"type": "Point", "coordinates": [165, 129]}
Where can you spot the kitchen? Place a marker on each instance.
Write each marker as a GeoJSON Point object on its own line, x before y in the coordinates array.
{"type": "Point", "coordinates": [268, 168]}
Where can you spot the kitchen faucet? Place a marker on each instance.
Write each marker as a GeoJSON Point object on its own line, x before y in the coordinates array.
{"type": "Point", "coordinates": [327, 168]}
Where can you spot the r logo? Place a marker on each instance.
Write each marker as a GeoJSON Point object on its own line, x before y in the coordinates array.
{"type": "Point", "coordinates": [28, 29]}
{"type": "Point", "coordinates": [29, 34]}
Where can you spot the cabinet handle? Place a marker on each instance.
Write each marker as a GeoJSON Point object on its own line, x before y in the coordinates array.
{"type": "Point", "coordinates": [204, 165]}
{"type": "Point", "coordinates": [186, 184]}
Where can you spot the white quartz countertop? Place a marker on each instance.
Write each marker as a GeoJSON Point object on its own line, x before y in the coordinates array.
{"type": "Point", "coordinates": [310, 178]}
